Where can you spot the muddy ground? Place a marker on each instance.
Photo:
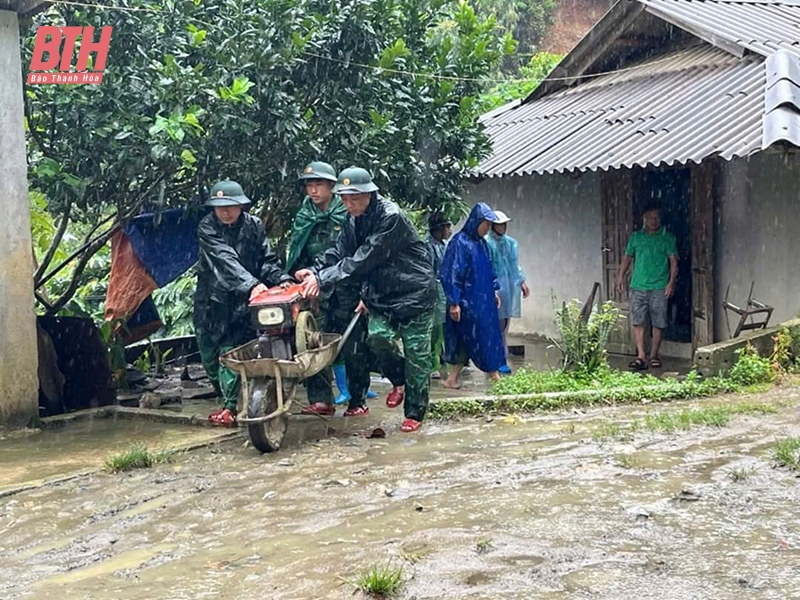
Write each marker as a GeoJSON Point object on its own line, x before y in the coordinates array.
{"type": "Point", "coordinates": [481, 508]}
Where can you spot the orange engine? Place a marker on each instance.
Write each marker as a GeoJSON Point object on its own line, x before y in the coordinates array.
{"type": "Point", "coordinates": [277, 308]}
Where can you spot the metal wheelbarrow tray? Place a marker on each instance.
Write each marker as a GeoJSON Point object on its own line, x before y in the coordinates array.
{"type": "Point", "coordinates": [269, 386]}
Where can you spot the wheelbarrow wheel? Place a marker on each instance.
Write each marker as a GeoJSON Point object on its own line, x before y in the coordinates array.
{"type": "Point", "coordinates": [266, 436]}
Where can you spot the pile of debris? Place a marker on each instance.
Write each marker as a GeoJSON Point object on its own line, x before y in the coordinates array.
{"type": "Point", "coordinates": [167, 390]}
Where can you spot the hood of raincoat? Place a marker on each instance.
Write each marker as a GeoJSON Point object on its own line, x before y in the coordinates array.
{"type": "Point", "coordinates": [479, 213]}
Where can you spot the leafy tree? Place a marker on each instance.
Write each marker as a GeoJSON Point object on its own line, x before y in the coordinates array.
{"type": "Point", "coordinates": [519, 87]}
{"type": "Point", "coordinates": [196, 90]}
{"type": "Point", "coordinates": [526, 20]}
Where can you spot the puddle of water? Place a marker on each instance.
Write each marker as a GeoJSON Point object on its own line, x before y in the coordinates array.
{"type": "Point", "coordinates": [525, 562]}
{"type": "Point", "coordinates": [86, 444]}
{"type": "Point", "coordinates": [479, 578]}
{"type": "Point", "coordinates": [126, 560]}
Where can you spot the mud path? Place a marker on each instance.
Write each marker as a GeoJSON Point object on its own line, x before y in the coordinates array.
{"type": "Point", "coordinates": [512, 508]}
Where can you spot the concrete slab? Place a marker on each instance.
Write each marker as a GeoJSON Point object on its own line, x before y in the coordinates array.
{"type": "Point", "coordinates": [718, 358]}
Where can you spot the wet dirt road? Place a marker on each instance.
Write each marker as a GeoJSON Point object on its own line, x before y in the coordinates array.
{"type": "Point", "coordinates": [530, 508]}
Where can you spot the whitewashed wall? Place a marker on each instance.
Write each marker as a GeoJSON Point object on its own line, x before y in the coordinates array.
{"type": "Point", "coordinates": [758, 235]}
{"type": "Point", "coordinates": [557, 224]}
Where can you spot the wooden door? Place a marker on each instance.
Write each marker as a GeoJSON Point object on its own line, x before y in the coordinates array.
{"type": "Point", "coordinates": [616, 196]}
{"type": "Point", "coordinates": [702, 216]}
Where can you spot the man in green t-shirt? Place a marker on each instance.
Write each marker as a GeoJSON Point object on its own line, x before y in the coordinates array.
{"type": "Point", "coordinates": [654, 255]}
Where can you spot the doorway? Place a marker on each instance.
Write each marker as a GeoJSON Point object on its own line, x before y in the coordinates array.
{"type": "Point", "coordinates": [686, 197]}
{"type": "Point", "coordinates": [671, 190]}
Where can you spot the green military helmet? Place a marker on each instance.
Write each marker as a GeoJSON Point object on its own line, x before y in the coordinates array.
{"type": "Point", "coordinates": [318, 170]}
{"type": "Point", "coordinates": [354, 180]}
{"type": "Point", "coordinates": [227, 193]}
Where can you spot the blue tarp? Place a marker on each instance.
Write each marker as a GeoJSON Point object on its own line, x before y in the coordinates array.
{"type": "Point", "coordinates": [166, 243]}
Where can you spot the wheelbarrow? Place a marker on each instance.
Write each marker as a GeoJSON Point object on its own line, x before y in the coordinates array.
{"type": "Point", "coordinates": [288, 350]}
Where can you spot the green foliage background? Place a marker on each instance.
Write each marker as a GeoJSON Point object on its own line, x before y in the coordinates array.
{"type": "Point", "coordinates": [198, 90]}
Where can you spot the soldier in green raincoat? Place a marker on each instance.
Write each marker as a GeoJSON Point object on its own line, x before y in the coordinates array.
{"type": "Point", "coordinates": [315, 229]}
{"type": "Point", "coordinates": [234, 262]}
{"type": "Point", "coordinates": [380, 247]}
{"type": "Point", "coordinates": [440, 229]}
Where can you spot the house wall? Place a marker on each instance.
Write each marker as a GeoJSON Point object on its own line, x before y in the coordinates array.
{"type": "Point", "coordinates": [557, 223]}
{"type": "Point", "coordinates": [757, 235]}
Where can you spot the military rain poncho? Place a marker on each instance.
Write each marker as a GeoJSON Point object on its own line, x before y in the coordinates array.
{"type": "Point", "coordinates": [469, 281]}
{"type": "Point", "coordinates": [382, 249]}
{"type": "Point", "coordinates": [325, 225]}
{"type": "Point", "coordinates": [232, 260]}
{"type": "Point", "coordinates": [504, 252]}
{"type": "Point", "coordinates": [437, 249]}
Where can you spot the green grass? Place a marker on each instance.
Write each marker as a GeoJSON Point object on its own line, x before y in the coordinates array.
{"type": "Point", "coordinates": [668, 422]}
{"type": "Point", "coordinates": [742, 473]}
{"type": "Point", "coordinates": [379, 581]}
{"type": "Point", "coordinates": [609, 431]}
{"type": "Point", "coordinates": [414, 556]}
{"type": "Point", "coordinates": [715, 416]}
{"type": "Point", "coordinates": [529, 381]}
{"type": "Point", "coordinates": [682, 420]}
{"type": "Point", "coordinates": [786, 453]}
{"type": "Point", "coordinates": [137, 457]}
{"type": "Point", "coordinates": [627, 461]}
{"type": "Point", "coordinates": [757, 388]}
{"type": "Point", "coordinates": [531, 398]}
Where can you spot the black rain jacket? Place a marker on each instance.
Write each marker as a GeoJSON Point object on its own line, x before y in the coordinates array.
{"type": "Point", "coordinates": [383, 250]}
{"type": "Point", "coordinates": [232, 260]}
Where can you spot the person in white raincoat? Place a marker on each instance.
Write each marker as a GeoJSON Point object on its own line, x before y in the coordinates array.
{"type": "Point", "coordinates": [504, 252]}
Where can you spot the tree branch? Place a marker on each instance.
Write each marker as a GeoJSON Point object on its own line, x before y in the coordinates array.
{"type": "Point", "coordinates": [34, 131]}
{"type": "Point", "coordinates": [43, 300]}
{"type": "Point", "coordinates": [54, 243]}
{"type": "Point", "coordinates": [90, 247]}
{"type": "Point", "coordinates": [89, 251]}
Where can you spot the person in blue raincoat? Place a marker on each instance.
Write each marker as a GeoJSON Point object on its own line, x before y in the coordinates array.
{"type": "Point", "coordinates": [472, 330]}
{"type": "Point", "coordinates": [504, 252]}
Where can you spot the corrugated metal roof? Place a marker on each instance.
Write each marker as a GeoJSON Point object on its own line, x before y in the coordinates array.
{"type": "Point", "coordinates": [782, 99]}
{"type": "Point", "coordinates": [688, 106]}
{"type": "Point", "coordinates": [761, 26]}
{"type": "Point", "coordinates": [684, 107]}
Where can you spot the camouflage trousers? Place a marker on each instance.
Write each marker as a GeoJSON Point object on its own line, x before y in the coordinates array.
{"type": "Point", "coordinates": [355, 355]}
{"type": "Point", "coordinates": [411, 366]}
{"type": "Point", "coordinates": [226, 383]}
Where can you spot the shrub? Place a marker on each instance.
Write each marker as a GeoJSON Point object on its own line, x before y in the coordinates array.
{"type": "Point", "coordinates": [582, 342]}
{"type": "Point", "coordinates": [750, 368]}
